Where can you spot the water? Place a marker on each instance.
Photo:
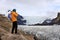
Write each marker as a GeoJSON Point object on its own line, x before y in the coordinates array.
{"type": "Point", "coordinates": [43, 32]}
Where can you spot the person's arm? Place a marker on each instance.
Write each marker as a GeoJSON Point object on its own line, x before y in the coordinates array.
{"type": "Point", "coordinates": [16, 14]}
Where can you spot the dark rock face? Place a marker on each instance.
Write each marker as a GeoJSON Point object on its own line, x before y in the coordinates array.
{"type": "Point", "coordinates": [47, 22]}
{"type": "Point", "coordinates": [51, 21]}
{"type": "Point", "coordinates": [21, 20]}
{"type": "Point", "coordinates": [57, 19]}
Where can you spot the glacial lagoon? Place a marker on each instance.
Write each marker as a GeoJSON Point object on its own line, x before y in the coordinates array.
{"type": "Point", "coordinates": [51, 32]}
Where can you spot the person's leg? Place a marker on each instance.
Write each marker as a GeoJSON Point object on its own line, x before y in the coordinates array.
{"type": "Point", "coordinates": [12, 28]}
{"type": "Point", "coordinates": [16, 27]}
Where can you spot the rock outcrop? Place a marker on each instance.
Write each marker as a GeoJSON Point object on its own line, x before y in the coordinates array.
{"type": "Point", "coordinates": [5, 31]}
{"type": "Point", "coordinates": [51, 21]}
{"type": "Point", "coordinates": [57, 19]}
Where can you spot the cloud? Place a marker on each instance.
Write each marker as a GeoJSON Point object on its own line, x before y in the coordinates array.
{"type": "Point", "coordinates": [32, 7]}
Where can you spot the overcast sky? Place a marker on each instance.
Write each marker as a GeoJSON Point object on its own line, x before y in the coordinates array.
{"type": "Point", "coordinates": [48, 8]}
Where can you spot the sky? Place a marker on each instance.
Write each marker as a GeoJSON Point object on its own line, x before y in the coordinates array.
{"type": "Point", "coordinates": [42, 8]}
